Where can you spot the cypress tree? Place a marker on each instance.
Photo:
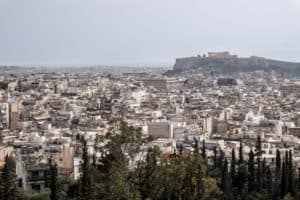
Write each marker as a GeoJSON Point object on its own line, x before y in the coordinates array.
{"type": "Point", "coordinates": [203, 150]}
{"type": "Point", "coordinates": [291, 173]}
{"type": "Point", "coordinates": [298, 185]}
{"type": "Point", "coordinates": [196, 149]}
{"type": "Point", "coordinates": [258, 177]}
{"type": "Point", "coordinates": [223, 174]}
{"type": "Point", "coordinates": [241, 157]}
{"type": "Point", "coordinates": [241, 181]}
{"type": "Point", "coordinates": [220, 161]}
{"type": "Point", "coordinates": [283, 185]}
{"type": "Point", "coordinates": [251, 170]}
{"type": "Point", "coordinates": [277, 182]}
{"type": "Point", "coordinates": [215, 157]}
{"type": "Point", "coordinates": [286, 160]}
{"type": "Point", "coordinates": [269, 184]}
{"type": "Point", "coordinates": [233, 168]}
{"type": "Point", "coordinates": [94, 160]}
{"type": "Point", "coordinates": [278, 164]}
{"type": "Point", "coordinates": [287, 180]}
{"type": "Point", "coordinates": [258, 148]}
{"type": "Point", "coordinates": [269, 181]}
{"type": "Point", "coordinates": [264, 174]}
{"type": "Point", "coordinates": [85, 187]}
{"type": "Point", "coordinates": [53, 182]}
{"type": "Point", "coordinates": [226, 182]}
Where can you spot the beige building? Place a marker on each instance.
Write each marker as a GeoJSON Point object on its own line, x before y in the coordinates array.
{"type": "Point", "coordinates": [160, 130]}
{"type": "Point", "coordinates": [14, 115]}
{"type": "Point", "coordinates": [4, 115]}
{"type": "Point", "coordinates": [4, 151]}
{"type": "Point", "coordinates": [160, 84]}
{"type": "Point", "coordinates": [209, 126]}
{"type": "Point", "coordinates": [298, 120]}
{"type": "Point", "coordinates": [65, 159]}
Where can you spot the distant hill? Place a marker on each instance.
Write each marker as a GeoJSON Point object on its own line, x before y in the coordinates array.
{"type": "Point", "coordinates": [8, 68]}
{"type": "Point", "coordinates": [226, 63]}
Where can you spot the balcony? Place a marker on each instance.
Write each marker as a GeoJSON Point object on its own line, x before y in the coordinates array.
{"type": "Point", "coordinates": [35, 178]}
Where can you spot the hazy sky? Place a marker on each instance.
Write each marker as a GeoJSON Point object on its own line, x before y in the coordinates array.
{"type": "Point", "coordinates": [144, 32]}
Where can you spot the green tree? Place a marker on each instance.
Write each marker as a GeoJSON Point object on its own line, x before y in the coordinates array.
{"type": "Point", "coordinates": [258, 147]}
{"type": "Point", "coordinates": [115, 177]}
{"type": "Point", "coordinates": [241, 180]}
{"type": "Point", "coordinates": [284, 178]}
{"type": "Point", "coordinates": [298, 185]}
{"type": "Point", "coordinates": [85, 187]}
{"type": "Point", "coordinates": [220, 162]}
{"type": "Point", "coordinates": [258, 175]}
{"type": "Point", "coordinates": [215, 158]}
{"type": "Point", "coordinates": [203, 153]}
{"type": "Point", "coordinates": [251, 170]}
{"type": "Point", "coordinates": [277, 182]}
{"type": "Point", "coordinates": [233, 168]}
{"type": "Point", "coordinates": [241, 157]}
{"type": "Point", "coordinates": [8, 177]}
{"type": "Point", "coordinates": [278, 164]}
{"type": "Point", "coordinates": [148, 172]}
{"type": "Point", "coordinates": [211, 190]}
{"type": "Point", "coordinates": [73, 189]}
{"type": "Point", "coordinates": [226, 183]}
{"type": "Point", "coordinates": [175, 178]}
{"type": "Point", "coordinates": [53, 182]}
{"type": "Point", "coordinates": [269, 181]}
{"type": "Point", "coordinates": [291, 186]}
{"type": "Point", "coordinates": [288, 197]}
{"type": "Point", "coordinates": [196, 148]}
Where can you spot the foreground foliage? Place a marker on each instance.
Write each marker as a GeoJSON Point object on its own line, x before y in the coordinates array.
{"type": "Point", "coordinates": [177, 176]}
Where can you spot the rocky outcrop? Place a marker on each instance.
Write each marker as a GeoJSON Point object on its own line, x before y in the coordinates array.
{"type": "Point", "coordinates": [226, 63]}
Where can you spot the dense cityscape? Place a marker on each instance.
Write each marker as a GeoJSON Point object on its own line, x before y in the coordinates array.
{"type": "Point", "coordinates": [149, 133]}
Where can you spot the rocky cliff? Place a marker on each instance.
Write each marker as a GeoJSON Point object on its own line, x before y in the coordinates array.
{"type": "Point", "coordinates": [230, 63]}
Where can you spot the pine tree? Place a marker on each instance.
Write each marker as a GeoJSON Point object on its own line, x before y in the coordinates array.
{"type": "Point", "coordinates": [147, 180]}
{"type": "Point", "coordinates": [251, 170]}
{"type": "Point", "coordinates": [241, 157]}
{"type": "Point", "coordinates": [85, 187]}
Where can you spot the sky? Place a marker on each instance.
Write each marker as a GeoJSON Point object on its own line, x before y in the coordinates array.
{"type": "Point", "coordinates": [144, 32]}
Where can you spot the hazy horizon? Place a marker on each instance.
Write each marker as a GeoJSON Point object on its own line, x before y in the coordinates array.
{"type": "Point", "coordinates": [144, 33]}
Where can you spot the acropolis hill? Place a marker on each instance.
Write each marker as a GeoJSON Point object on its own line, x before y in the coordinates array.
{"type": "Point", "coordinates": [226, 63]}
